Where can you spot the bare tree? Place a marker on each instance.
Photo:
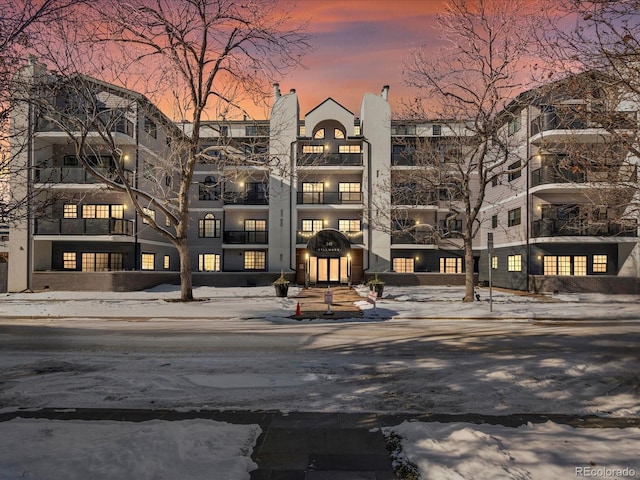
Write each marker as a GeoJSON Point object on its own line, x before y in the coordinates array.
{"type": "Point", "coordinates": [20, 28]}
{"type": "Point", "coordinates": [466, 86]}
{"type": "Point", "coordinates": [201, 59]}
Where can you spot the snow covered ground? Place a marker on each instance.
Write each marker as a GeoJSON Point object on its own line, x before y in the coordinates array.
{"type": "Point", "coordinates": [421, 349]}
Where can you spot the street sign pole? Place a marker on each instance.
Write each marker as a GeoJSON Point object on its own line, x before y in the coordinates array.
{"type": "Point", "coordinates": [490, 250]}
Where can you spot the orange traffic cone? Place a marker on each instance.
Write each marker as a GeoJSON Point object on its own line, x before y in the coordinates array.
{"type": "Point", "coordinates": [298, 310]}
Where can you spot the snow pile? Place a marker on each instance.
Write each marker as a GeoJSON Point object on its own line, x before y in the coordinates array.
{"type": "Point", "coordinates": [100, 450]}
{"type": "Point", "coordinates": [448, 451]}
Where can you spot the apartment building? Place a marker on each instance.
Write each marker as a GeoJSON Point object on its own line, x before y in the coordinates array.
{"type": "Point", "coordinates": [328, 197]}
{"type": "Point", "coordinates": [568, 220]}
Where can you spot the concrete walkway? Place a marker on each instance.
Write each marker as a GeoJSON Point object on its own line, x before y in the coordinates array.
{"type": "Point", "coordinates": [312, 304]}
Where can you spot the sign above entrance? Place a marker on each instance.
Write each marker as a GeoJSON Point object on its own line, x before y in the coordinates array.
{"type": "Point", "coordinates": [329, 243]}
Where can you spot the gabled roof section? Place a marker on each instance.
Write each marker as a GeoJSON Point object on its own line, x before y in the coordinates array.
{"type": "Point", "coordinates": [328, 100]}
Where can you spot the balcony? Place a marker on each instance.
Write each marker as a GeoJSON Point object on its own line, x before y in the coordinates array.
{"type": "Point", "coordinates": [549, 175]}
{"type": "Point", "coordinates": [237, 198]}
{"type": "Point", "coordinates": [77, 175]}
{"type": "Point", "coordinates": [245, 237]}
{"type": "Point", "coordinates": [554, 227]}
{"type": "Point", "coordinates": [356, 237]}
{"type": "Point", "coordinates": [113, 119]}
{"type": "Point", "coordinates": [84, 226]}
{"type": "Point", "coordinates": [568, 119]}
{"type": "Point", "coordinates": [329, 198]}
{"type": "Point", "coordinates": [329, 159]}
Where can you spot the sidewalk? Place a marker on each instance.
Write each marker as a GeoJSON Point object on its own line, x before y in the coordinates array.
{"type": "Point", "coordinates": [312, 304]}
{"type": "Point", "coordinates": [318, 446]}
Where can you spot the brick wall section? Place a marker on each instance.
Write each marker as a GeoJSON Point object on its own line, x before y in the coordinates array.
{"type": "Point", "coordinates": [586, 284]}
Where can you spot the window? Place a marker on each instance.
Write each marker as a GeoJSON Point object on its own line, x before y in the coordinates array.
{"type": "Point", "coordinates": [337, 133]}
{"type": "Point", "coordinates": [349, 149]}
{"type": "Point", "coordinates": [255, 260]}
{"type": "Point", "coordinates": [494, 263]}
{"type": "Point", "coordinates": [313, 192]}
{"type": "Point", "coordinates": [319, 134]}
{"type": "Point", "coordinates": [70, 161]}
{"type": "Point", "coordinates": [312, 149]}
{"type": "Point", "coordinates": [148, 261]}
{"type": "Point", "coordinates": [69, 260]}
{"type": "Point", "coordinates": [349, 192]}
{"type": "Point", "coordinates": [209, 190]}
{"type": "Point", "coordinates": [349, 225]}
{"type": "Point", "coordinates": [150, 127]}
{"type": "Point", "coordinates": [70, 211]}
{"type": "Point", "coordinates": [255, 225]}
{"type": "Point", "coordinates": [356, 130]}
{"type": "Point", "coordinates": [403, 265]}
{"type": "Point", "coordinates": [514, 217]}
{"type": "Point", "coordinates": [117, 211]}
{"type": "Point", "coordinates": [599, 264]}
{"type": "Point", "coordinates": [102, 211]}
{"type": "Point", "coordinates": [403, 130]}
{"type": "Point", "coordinates": [450, 265]}
{"type": "Point", "coordinates": [209, 227]}
{"type": "Point", "coordinates": [580, 265]}
{"type": "Point", "coordinates": [550, 265]}
{"type": "Point", "coordinates": [166, 262]}
{"type": "Point", "coordinates": [565, 265]}
{"type": "Point", "coordinates": [513, 175]}
{"type": "Point", "coordinates": [101, 262]}
{"type": "Point", "coordinates": [88, 211]}
{"type": "Point", "coordinates": [209, 262]}
{"type": "Point", "coordinates": [494, 221]}
{"type": "Point", "coordinates": [224, 130]}
{"type": "Point", "coordinates": [515, 124]}
{"type": "Point", "coordinates": [514, 263]}
{"type": "Point", "coordinates": [311, 225]}
{"type": "Point", "coordinates": [251, 130]}
{"type": "Point", "coordinates": [436, 130]}
{"type": "Point", "coordinates": [150, 213]}
{"type": "Point", "coordinates": [303, 130]}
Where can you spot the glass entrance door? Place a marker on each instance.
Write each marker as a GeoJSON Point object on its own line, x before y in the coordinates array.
{"type": "Point", "coordinates": [328, 270]}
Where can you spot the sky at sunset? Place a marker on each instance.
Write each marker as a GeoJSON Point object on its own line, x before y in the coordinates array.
{"type": "Point", "coordinates": [359, 46]}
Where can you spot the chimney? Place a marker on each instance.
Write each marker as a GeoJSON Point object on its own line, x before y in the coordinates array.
{"type": "Point", "coordinates": [276, 90]}
{"type": "Point", "coordinates": [385, 92]}
{"type": "Point", "coordinates": [293, 90]}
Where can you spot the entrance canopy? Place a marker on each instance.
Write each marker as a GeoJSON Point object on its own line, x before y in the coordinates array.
{"type": "Point", "coordinates": [329, 243]}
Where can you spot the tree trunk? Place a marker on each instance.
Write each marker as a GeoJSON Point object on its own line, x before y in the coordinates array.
{"type": "Point", "coordinates": [186, 281]}
{"type": "Point", "coordinates": [468, 270]}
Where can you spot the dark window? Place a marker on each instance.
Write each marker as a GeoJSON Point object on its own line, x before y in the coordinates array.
{"type": "Point", "coordinates": [150, 127]}
{"type": "Point", "coordinates": [514, 217]}
{"type": "Point", "coordinates": [494, 221]}
{"type": "Point", "coordinates": [516, 174]}
{"type": "Point", "coordinates": [436, 130]}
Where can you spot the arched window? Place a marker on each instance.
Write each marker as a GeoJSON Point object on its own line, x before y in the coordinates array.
{"type": "Point", "coordinates": [319, 133]}
{"type": "Point", "coordinates": [337, 133]}
{"type": "Point", "coordinates": [209, 226]}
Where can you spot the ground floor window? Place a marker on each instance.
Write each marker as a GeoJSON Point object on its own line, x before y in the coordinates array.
{"type": "Point", "coordinates": [494, 263]}
{"type": "Point", "coordinates": [255, 260]}
{"type": "Point", "coordinates": [514, 263]}
{"type": "Point", "coordinates": [565, 265]}
{"type": "Point", "coordinates": [209, 262]}
{"type": "Point", "coordinates": [148, 261]}
{"type": "Point", "coordinates": [69, 261]}
{"type": "Point", "coordinates": [599, 264]}
{"type": "Point", "coordinates": [100, 262]}
{"type": "Point", "coordinates": [403, 265]}
{"type": "Point", "coordinates": [166, 262]}
{"type": "Point", "coordinates": [451, 265]}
